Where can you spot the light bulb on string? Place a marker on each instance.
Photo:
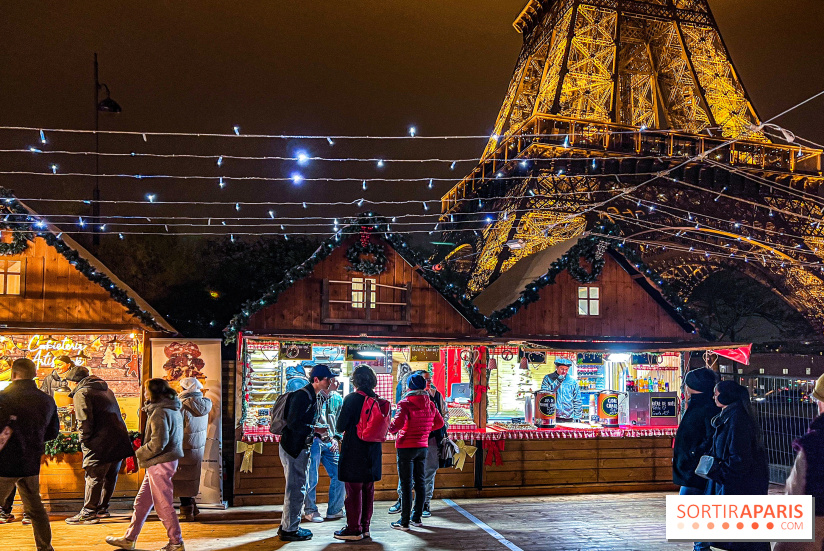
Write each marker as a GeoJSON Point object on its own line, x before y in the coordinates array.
{"type": "Point", "coordinates": [237, 130]}
{"type": "Point", "coordinates": [364, 185]}
{"type": "Point", "coordinates": [360, 203]}
{"type": "Point", "coordinates": [102, 227]}
{"type": "Point", "coordinates": [304, 205]}
{"type": "Point", "coordinates": [121, 236]}
{"type": "Point", "coordinates": [297, 178]}
{"type": "Point", "coordinates": [237, 206]}
{"type": "Point", "coordinates": [80, 222]}
{"type": "Point", "coordinates": [281, 227]}
{"type": "Point", "coordinates": [430, 184]}
{"type": "Point", "coordinates": [380, 163]}
{"type": "Point", "coordinates": [271, 214]}
{"type": "Point", "coordinates": [151, 197]}
{"type": "Point", "coordinates": [425, 206]}
{"type": "Point", "coordinates": [286, 237]}
{"type": "Point", "coordinates": [452, 166]}
{"type": "Point", "coordinates": [220, 161]}
{"type": "Point", "coordinates": [54, 169]}
{"type": "Point", "coordinates": [43, 138]}
{"type": "Point", "coordinates": [303, 158]}
{"type": "Point", "coordinates": [330, 141]}
{"type": "Point", "coordinates": [222, 184]}
{"type": "Point", "coordinates": [412, 131]}
{"type": "Point", "coordinates": [35, 150]}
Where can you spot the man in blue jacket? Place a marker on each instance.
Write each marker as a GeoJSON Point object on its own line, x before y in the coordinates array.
{"type": "Point", "coordinates": [298, 435]}
{"type": "Point", "coordinates": [32, 418]}
{"type": "Point", "coordinates": [567, 392]}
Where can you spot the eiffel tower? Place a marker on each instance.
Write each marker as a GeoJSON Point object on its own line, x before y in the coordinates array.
{"type": "Point", "coordinates": [632, 110]}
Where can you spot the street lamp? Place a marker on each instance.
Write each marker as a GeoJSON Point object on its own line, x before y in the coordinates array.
{"type": "Point", "coordinates": [106, 105]}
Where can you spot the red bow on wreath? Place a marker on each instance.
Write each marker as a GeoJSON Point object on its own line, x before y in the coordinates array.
{"type": "Point", "coordinates": [493, 452]}
{"type": "Point", "coordinates": [131, 462]}
{"type": "Point", "coordinates": [480, 390]}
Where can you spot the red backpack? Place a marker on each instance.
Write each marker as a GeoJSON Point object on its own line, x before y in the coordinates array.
{"type": "Point", "coordinates": [375, 417]}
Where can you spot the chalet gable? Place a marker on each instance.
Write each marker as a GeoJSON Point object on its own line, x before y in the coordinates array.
{"type": "Point", "coordinates": [582, 288]}
{"type": "Point", "coordinates": [58, 282]}
{"type": "Point", "coordinates": [363, 280]}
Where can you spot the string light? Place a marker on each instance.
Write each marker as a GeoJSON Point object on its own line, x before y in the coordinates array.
{"type": "Point", "coordinates": [42, 137]}
{"type": "Point", "coordinates": [363, 185]}
{"type": "Point", "coordinates": [220, 161]}
{"type": "Point", "coordinates": [237, 206]}
{"type": "Point", "coordinates": [412, 131]}
{"type": "Point", "coordinates": [302, 158]}
{"type": "Point", "coordinates": [380, 163]}
{"type": "Point", "coordinates": [54, 169]}
{"type": "Point", "coordinates": [222, 184]}
{"type": "Point", "coordinates": [151, 197]}
{"type": "Point", "coordinates": [330, 141]}
{"type": "Point", "coordinates": [430, 184]}
{"type": "Point", "coordinates": [297, 178]}
{"type": "Point", "coordinates": [237, 130]}
{"type": "Point", "coordinates": [271, 214]}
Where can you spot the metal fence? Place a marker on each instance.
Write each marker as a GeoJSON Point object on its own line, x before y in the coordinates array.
{"type": "Point", "coordinates": [784, 409]}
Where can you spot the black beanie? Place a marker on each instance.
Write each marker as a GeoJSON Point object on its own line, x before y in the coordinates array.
{"type": "Point", "coordinates": [702, 380]}
{"type": "Point", "coordinates": [416, 382]}
{"type": "Point", "coordinates": [730, 392]}
{"type": "Point", "coordinates": [77, 374]}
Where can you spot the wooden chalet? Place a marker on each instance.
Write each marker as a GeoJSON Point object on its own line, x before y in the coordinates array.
{"type": "Point", "coordinates": [57, 299]}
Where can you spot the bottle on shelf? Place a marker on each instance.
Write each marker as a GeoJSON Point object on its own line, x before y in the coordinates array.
{"type": "Point", "coordinates": [666, 387]}
{"type": "Point", "coordinates": [655, 384]}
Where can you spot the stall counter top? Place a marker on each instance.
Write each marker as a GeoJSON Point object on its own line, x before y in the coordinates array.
{"type": "Point", "coordinates": [499, 431]}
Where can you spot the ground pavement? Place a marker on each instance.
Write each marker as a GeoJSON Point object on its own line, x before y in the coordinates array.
{"type": "Point", "coordinates": [558, 523]}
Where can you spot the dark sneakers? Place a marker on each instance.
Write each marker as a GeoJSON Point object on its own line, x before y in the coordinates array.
{"type": "Point", "coordinates": [398, 526]}
{"type": "Point", "coordinates": [346, 534]}
{"type": "Point", "coordinates": [416, 523]}
{"type": "Point", "coordinates": [301, 534]}
{"type": "Point", "coordinates": [426, 513]}
{"type": "Point", "coordinates": [396, 508]}
{"type": "Point", "coordinates": [6, 518]}
{"type": "Point", "coordinates": [83, 517]}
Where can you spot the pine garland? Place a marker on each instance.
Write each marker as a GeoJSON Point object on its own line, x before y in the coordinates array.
{"type": "Point", "coordinates": [70, 443]}
{"type": "Point", "coordinates": [21, 236]}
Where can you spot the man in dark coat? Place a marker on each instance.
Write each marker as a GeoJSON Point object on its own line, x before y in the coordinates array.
{"type": "Point", "coordinates": [104, 439]}
{"type": "Point", "coordinates": [301, 416]}
{"type": "Point", "coordinates": [32, 417]}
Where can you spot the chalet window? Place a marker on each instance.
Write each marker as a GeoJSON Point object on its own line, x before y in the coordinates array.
{"type": "Point", "coordinates": [359, 292]}
{"type": "Point", "coordinates": [589, 301]}
{"type": "Point", "coordinates": [11, 277]}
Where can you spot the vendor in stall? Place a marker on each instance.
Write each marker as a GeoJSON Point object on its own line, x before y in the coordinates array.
{"type": "Point", "coordinates": [53, 380]}
{"type": "Point", "coordinates": [566, 389]}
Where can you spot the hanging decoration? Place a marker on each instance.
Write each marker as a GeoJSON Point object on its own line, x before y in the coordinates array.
{"type": "Point", "coordinates": [464, 451]}
{"type": "Point", "coordinates": [493, 452]}
{"type": "Point", "coordinates": [248, 450]}
{"type": "Point", "coordinates": [20, 237]}
{"type": "Point", "coordinates": [357, 255]}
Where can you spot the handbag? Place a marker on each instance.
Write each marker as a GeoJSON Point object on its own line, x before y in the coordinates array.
{"type": "Point", "coordinates": [705, 466]}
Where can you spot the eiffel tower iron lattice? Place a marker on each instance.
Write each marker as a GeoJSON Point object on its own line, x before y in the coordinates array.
{"type": "Point", "coordinates": [611, 95]}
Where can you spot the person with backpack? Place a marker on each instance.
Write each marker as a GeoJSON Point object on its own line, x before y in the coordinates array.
{"type": "Point", "coordinates": [416, 417]}
{"type": "Point", "coordinates": [31, 417]}
{"type": "Point", "coordinates": [299, 410]}
{"type": "Point", "coordinates": [433, 448]}
{"type": "Point", "coordinates": [296, 377]}
{"type": "Point", "coordinates": [360, 463]}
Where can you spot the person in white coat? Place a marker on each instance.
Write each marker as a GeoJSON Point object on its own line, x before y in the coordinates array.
{"type": "Point", "coordinates": [195, 410]}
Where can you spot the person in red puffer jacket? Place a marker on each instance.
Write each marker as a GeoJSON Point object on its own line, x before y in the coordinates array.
{"type": "Point", "coordinates": [415, 418]}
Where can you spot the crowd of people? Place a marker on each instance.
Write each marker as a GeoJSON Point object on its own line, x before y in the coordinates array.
{"type": "Point", "coordinates": [719, 450]}
{"type": "Point", "coordinates": [171, 450]}
{"type": "Point", "coordinates": [322, 428]}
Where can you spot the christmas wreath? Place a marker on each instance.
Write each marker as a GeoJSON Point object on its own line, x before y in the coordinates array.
{"type": "Point", "coordinates": [19, 240]}
{"type": "Point", "coordinates": [356, 252]}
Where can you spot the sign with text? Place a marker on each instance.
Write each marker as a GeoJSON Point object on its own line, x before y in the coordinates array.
{"type": "Point", "coordinates": [664, 406]}
{"type": "Point", "coordinates": [740, 518]}
{"type": "Point", "coordinates": [175, 359]}
{"type": "Point", "coordinates": [295, 351]}
{"type": "Point", "coordinates": [425, 354]}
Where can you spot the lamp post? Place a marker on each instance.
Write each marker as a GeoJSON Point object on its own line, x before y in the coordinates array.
{"type": "Point", "coordinates": [107, 105]}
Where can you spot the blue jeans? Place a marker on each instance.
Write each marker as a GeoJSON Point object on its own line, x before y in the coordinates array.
{"type": "Point", "coordinates": [294, 470]}
{"type": "Point", "coordinates": [322, 453]}
{"type": "Point", "coordinates": [687, 491]}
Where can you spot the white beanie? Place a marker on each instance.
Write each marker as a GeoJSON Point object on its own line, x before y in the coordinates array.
{"type": "Point", "coordinates": [190, 383]}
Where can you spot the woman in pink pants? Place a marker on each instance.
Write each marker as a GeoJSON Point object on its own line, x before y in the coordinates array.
{"type": "Point", "coordinates": [162, 447]}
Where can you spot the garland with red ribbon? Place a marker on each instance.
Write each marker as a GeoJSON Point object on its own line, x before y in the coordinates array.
{"type": "Point", "coordinates": [493, 451]}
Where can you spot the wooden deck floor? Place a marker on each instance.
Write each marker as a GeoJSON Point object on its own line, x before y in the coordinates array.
{"type": "Point", "coordinates": [557, 523]}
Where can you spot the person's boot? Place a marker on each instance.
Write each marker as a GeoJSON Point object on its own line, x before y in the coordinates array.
{"type": "Point", "coordinates": [396, 508]}
{"type": "Point", "coordinates": [195, 511]}
{"type": "Point", "coordinates": [187, 513]}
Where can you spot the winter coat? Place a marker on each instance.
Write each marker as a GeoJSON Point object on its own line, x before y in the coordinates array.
{"type": "Point", "coordinates": [328, 411]}
{"type": "Point", "coordinates": [568, 403]}
{"type": "Point", "coordinates": [295, 378]}
{"type": "Point", "coordinates": [36, 423]}
{"type": "Point", "coordinates": [416, 416]}
{"type": "Point", "coordinates": [51, 382]}
{"type": "Point", "coordinates": [359, 461]}
{"type": "Point", "coordinates": [301, 414]}
{"type": "Point", "coordinates": [741, 460]}
{"type": "Point", "coordinates": [693, 439]}
{"type": "Point", "coordinates": [104, 437]}
{"type": "Point", "coordinates": [163, 439]}
{"type": "Point", "coordinates": [195, 411]}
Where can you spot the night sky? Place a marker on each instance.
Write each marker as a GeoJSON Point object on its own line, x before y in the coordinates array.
{"type": "Point", "coordinates": [346, 67]}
